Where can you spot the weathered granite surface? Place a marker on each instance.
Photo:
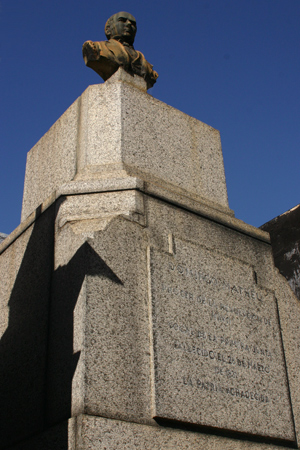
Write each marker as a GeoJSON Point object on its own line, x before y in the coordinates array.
{"type": "Point", "coordinates": [117, 130]}
{"type": "Point", "coordinates": [26, 271]}
{"type": "Point", "coordinates": [217, 342]}
{"type": "Point", "coordinates": [172, 317]}
{"type": "Point", "coordinates": [133, 302]}
{"type": "Point", "coordinates": [99, 433]}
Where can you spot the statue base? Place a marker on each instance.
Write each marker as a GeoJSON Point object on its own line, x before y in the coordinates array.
{"type": "Point", "coordinates": [137, 312]}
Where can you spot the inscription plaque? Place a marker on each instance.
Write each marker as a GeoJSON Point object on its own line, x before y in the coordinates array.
{"type": "Point", "coordinates": [217, 349]}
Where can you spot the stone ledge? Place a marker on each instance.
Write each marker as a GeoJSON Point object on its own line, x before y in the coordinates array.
{"type": "Point", "coordinates": [86, 432]}
{"type": "Point", "coordinates": [27, 222]}
{"type": "Point", "coordinates": [115, 127]}
{"type": "Point", "coordinates": [124, 184]}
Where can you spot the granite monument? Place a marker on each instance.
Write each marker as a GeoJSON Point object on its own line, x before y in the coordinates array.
{"type": "Point", "coordinates": [136, 311]}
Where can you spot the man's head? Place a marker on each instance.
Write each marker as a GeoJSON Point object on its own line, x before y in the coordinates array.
{"type": "Point", "coordinates": [121, 26]}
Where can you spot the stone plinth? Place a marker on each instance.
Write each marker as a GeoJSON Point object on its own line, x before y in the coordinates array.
{"type": "Point", "coordinates": [136, 311]}
{"type": "Point", "coordinates": [116, 130]}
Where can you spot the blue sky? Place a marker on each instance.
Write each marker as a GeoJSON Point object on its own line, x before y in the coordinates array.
{"type": "Point", "coordinates": [233, 64]}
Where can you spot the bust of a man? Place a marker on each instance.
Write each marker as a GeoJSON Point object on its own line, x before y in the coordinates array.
{"type": "Point", "coordinates": [106, 57]}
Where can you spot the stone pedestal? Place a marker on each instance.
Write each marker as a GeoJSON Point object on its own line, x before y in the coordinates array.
{"type": "Point", "coordinates": [116, 132]}
{"type": "Point", "coordinates": [138, 313]}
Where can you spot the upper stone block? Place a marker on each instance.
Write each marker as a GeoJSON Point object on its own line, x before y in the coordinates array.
{"type": "Point", "coordinates": [116, 130]}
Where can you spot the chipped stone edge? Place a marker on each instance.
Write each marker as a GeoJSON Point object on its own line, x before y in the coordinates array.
{"type": "Point", "coordinates": [131, 183]}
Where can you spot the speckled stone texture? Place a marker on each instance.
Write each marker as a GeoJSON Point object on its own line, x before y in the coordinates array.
{"type": "Point", "coordinates": [97, 433]}
{"type": "Point", "coordinates": [154, 312]}
{"type": "Point", "coordinates": [133, 303]}
{"type": "Point", "coordinates": [26, 270]}
{"type": "Point", "coordinates": [117, 129]}
{"type": "Point", "coordinates": [217, 342]}
{"type": "Point", "coordinates": [173, 317]}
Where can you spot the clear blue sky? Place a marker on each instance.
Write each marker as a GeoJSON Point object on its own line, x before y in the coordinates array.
{"type": "Point", "coordinates": [233, 64]}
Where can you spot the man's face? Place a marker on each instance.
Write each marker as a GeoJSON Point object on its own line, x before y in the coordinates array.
{"type": "Point", "coordinates": [125, 27]}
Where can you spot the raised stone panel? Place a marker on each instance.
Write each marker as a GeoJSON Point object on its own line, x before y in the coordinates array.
{"type": "Point", "coordinates": [100, 127]}
{"type": "Point", "coordinates": [52, 161]}
{"type": "Point", "coordinates": [160, 140]}
{"type": "Point", "coordinates": [217, 349]}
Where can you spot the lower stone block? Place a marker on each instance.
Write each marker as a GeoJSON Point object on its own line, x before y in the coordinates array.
{"type": "Point", "coordinates": [98, 433]}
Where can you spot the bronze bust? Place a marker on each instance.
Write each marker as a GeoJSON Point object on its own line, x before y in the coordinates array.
{"type": "Point", "coordinates": [106, 57]}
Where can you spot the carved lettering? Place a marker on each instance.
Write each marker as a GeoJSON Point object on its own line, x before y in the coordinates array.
{"type": "Point", "coordinates": [197, 275]}
{"type": "Point", "coordinates": [234, 391]}
{"type": "Point", "coordinates": [216, 340]}
{"type": "Point", "coordinates": [218, 306]}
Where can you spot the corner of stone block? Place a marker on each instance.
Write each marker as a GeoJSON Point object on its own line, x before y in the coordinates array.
{"type": "Point", "coordinates": [122, 76]}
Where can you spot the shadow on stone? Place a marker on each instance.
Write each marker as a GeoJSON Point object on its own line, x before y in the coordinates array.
{"type": "Point", "coordinates": [235, 435]}
{"type": "Point", "coordinates": [67, 283]}
{"type": "Point", "coordinates": [23, 347]}
{"type": "Point", "coordinates": [36, 350]}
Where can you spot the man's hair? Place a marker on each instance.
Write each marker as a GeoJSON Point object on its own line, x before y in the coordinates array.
{"type": "Point", "coordinates": [107, 29]}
